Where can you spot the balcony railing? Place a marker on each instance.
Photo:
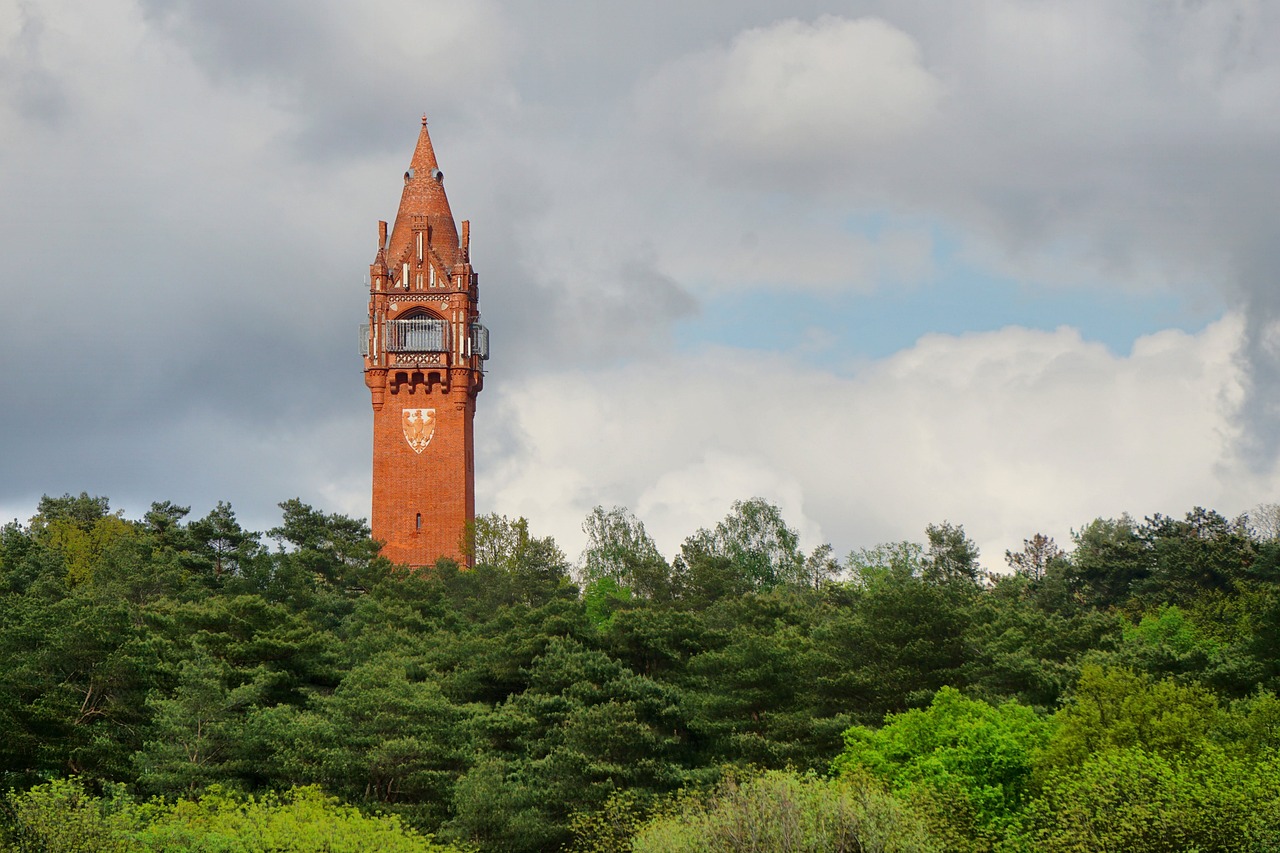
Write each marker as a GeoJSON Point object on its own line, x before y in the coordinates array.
{"type": "Point", "coordinates": [417, 336]}
{"type": "Point", "coordinates": [479, 341]}
{"type": "Point", "coordinates": [423, 336]}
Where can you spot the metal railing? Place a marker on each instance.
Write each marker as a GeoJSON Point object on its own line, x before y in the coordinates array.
{"type": "Point", "coordinates": [416, 336]}
{"type": "Point", "coordinates": [479, 341]}
{"type": "Point", "coordinates": [423, 336]}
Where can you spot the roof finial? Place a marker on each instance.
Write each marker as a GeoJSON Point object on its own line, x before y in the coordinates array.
{"type": "Point", "coordinates": [424, 119]}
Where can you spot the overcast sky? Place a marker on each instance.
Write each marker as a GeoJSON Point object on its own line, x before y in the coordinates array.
{"type": "Point", "coordinates": [1008, 263]}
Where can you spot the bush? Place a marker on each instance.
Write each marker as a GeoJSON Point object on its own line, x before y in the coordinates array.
{"type": "Point", "coordinates": [782, 812]}
{"type": "Point", "coordinates": [60, 817]}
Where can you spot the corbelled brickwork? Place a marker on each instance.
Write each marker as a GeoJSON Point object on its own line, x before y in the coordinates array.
{"type": "Point", "coordinates": [424, 350]}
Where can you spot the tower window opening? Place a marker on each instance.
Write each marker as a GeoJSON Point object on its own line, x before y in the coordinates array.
{"type": "Point", "coordinates": [417, 333]}
{"type": "Point", "coordinates": [419, 521]}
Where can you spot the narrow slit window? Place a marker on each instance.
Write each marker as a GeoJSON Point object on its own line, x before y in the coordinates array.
{"type": "Point", "coordinates": [419, 522]}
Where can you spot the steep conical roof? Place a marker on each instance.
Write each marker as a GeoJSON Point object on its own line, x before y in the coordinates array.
{"type": "Point", "coordinates": [423, 197]}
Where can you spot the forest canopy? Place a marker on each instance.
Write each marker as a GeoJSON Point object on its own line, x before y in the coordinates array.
{"type": "Point", "coordinates": [170, 677]}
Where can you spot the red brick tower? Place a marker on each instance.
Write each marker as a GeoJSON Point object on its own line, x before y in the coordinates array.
{"type": "Point", "coordinates": [423, 352]}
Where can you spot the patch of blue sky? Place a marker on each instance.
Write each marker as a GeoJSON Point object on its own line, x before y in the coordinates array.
{"type": "Point", "coordinates": [958, 298]}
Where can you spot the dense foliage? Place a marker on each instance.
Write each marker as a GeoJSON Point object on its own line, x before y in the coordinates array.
{"type": "Point", "coordinates": [60, 817]}
{"type": "Point", "coordinates": [1119, 695]}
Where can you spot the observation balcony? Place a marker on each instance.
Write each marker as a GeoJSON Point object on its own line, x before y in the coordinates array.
{"type": "Point", "coordinates": [480, 341]}
{"type": "Point", "coordinates": [424, 336]}
{"type": "Point", "coordinates": [416, 336]}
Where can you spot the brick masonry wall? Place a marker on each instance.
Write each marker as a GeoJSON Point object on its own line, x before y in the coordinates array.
{"type": "Point", "coordinates": [438, 483]}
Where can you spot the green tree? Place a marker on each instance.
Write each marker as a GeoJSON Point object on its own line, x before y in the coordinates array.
{"type": "Point", "coordinates": [1108, 561]}
{"type": "Point", "coordinates": [746, 705]}
{"type": "Point", "coordinates": [164, 522]}
{"type": "Point", "coordinates": [224, 546]}
{"type": "Point", "coordinates": [821, 567]}
{"type": "Point", "coordinates": [323, 563]}
{"type": "Point", "coordinates": [950, 555]}
{"type": "Point", "coordinates": [82, 548]}
{"type": "Point", "coordinates": [1201, 554]}
{"type": "Point", "coordinates": [900, 559]}
{"type": "Point", "coordinates": [197, 733]}
{"type": "Point", "coordinates": [1025, 645]}
{"type": "Point", "coordinates": [895, 642]}
{"type": "Point", "coordinates": [975, 757]}
{"type": "Point", "coordinates": [497, 809]}
{"type": "Point", "coordinates": [387, 735]}
{"type": "Point", "coordinates": [75, 671]}
{"type": "Point", "coordinates": [1114, 708]}
{"type": "Point", "coordinates": [536, 565]}
{"type": "Point", "coordinates": [24, 560]}
{"type": "Point", "coordinates": [756, 539]}
{"type": "Point", "coordinates": [619, 548]}
{"type": "Point", "coordinates": [1038, 555]}
{"type": "Point", "coordinates": [82, 511]}
{"type": "Point", "coordinates": [583, 728]}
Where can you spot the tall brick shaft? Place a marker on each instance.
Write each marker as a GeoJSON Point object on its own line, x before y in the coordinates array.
{"type": "Point", "coordinates": [424, 349]}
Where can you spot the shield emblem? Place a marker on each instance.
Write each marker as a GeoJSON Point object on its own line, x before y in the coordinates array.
{"type": "Point", "coordinates": [419, 426]}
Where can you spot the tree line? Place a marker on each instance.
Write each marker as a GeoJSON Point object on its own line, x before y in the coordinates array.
{"type": "Point", "coordinates": [169, 678]}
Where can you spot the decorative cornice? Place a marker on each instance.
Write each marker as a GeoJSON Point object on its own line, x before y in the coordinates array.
{"type": "Point", "coordinates": [431, 300]}
{"type": "Point", "coordinates": [416, 359]}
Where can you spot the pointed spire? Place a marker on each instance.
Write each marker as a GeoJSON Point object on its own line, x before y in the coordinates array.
{"type": "Point", "coordinates": [423, 202]}
{"type": "Point", "coordinates": [424, 156]}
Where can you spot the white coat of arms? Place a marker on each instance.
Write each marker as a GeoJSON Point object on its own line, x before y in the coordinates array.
{"type": "Point", "coordinates": [419, 426]}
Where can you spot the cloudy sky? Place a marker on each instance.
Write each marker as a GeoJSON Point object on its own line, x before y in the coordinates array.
{"type": "Point", "coordinates": [1008, 263]}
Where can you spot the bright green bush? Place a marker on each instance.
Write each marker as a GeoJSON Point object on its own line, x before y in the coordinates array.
{"type": "Point", "coordinates": [963, 760]}
{"type": "Point", "coordinates": [61, 817]}
{"type": "Point", "coordinates": [1141, 802]}
{"type": "Point", "coordinates": [782, 812]}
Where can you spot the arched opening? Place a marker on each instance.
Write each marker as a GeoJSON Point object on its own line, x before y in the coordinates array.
{"type": "Point", "coordinates": [418, 330]}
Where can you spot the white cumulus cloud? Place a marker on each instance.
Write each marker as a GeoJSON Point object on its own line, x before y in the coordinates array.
{"type": "Point", "coordinates": [796, 90]}
{"type": "Point", "coordinates": [1010, 433]}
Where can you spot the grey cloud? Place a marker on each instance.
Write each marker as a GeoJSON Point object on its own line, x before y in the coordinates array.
{"type": "Point", "coordinates": [539, 323]}
{"type": "Point", "coordinates": [37, 94]}
{"type": "Point", "coordinates": [1083, 140]}
{"type": "Point", "coordinates": [181, 282]}
{"type": "Point", "coordinates": [631, 314]}
{"type": "Point", "coordinates": [348, 72]}
{"type": "Point", "coordinates": [1259, 412]}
